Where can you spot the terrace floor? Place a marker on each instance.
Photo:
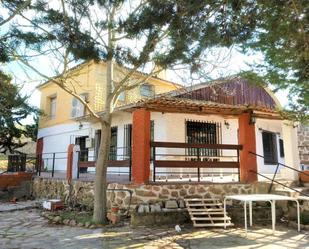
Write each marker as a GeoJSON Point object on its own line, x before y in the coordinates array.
{"type": "Point", "coordinates": [25, 229]}
{"type": "Point", "coordinates": [124, 177]}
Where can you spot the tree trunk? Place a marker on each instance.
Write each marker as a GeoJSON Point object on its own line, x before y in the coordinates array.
{"type": "Point", "coordinates": [100, 201]}
{"type": "Point", "coordinates": [100, 207]}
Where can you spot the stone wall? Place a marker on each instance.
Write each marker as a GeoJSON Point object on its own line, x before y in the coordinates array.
{"type": "Point", "coordinates": [82, 192]}
{"type": "Point", "coordinates": [303, 143]}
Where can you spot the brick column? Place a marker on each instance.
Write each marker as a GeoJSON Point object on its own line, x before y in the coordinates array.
{"type": "Point", "coordinates": [247, 140]}
{"type": "Point", "coordinates": [141, 146]}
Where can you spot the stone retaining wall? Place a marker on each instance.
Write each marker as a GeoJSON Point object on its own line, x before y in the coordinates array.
{"type": "Point", "coordinates": [303, 143]}
{"type": "Point", "coordinates": [82, 192]}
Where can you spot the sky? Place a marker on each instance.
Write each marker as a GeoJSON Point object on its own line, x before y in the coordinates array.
{"type": "Point", "coordinates": [29, 80]}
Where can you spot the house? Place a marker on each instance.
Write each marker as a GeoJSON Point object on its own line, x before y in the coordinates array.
{"type": "Point", "coordinates": [225, 130]}
{"type": "Point", "coordinates": [62, 122]}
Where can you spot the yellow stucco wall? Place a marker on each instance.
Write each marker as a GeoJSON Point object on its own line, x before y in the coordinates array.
{"type": "Point", "coordinates": [89, 78]}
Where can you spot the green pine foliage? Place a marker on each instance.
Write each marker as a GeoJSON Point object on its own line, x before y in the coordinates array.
{"type": "Point", "coordinates": [282, 35]}
{"type": "Point", "coordinates": [13, 109]}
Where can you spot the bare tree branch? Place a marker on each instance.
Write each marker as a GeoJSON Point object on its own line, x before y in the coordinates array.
{"type": "Point", "coordinates": [16, 12]}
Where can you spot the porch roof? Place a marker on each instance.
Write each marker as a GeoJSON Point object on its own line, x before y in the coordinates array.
{"type": "Point", "coordinates": [185, 105]}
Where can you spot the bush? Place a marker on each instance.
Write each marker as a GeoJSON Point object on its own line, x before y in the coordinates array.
{"type": "Point", "coordinates": [304, 218]}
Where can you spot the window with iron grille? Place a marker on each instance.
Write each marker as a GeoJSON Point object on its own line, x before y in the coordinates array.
{"type": "Point", "coordinates": [151, 138]}
{"type": "Point", "coordinates": [198, 132]}
{"type": "Point", "coordinates": [113, 144]}
{"type": "Point", "coordinates": [97, 142]}
{"type": "Point", "coordinates": [127, 141]}
{"type": "Point", "coordinates": [281, 147]}
{"type": "Point", "coordinates": [270, 147]}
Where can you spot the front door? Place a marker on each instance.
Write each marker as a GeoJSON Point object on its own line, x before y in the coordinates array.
{"type": "Point", "coordinates": [81, 141]}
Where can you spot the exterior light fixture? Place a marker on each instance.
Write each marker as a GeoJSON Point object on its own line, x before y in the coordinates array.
{"type": "Point", "coordinates": [252, 120]}
{"type": "Point", "coordinates": [80, 125]}
{"type": "Point", "coordinates": [227, 124]}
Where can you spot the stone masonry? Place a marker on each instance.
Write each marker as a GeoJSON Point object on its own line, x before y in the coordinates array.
{"type": "Point", "coordinates": [303, 143]}
{"type": "Point", "coordinates": [82, 192]}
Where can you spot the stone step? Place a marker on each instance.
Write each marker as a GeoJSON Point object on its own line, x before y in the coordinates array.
{"type": "Point", "coordinates": [291, 192]}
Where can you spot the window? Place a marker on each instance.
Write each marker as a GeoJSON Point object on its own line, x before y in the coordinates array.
{"type": "Point", "coordinates": [81, 141]}
{"type": "Point", "coordinates": [53, 107]}
{"type": "Point", "coordinates": [281, 148]}
{"type": "Point", "coordinates": [113, 145]}
{"type": "Point", "coordinates": [151, 138]}
{"type": "Point", "coordinates": [78, 109]}
{"type": "Point", "coordinates": [203, 132]}
{"type": "Point", "coordinates": [97, 142]}
{"type": "Point", "coordinates": [147, 90]}
{"type": "Point", "coordinates": [270, 147]}
{"type": "Point", "coordinates": [127, 140]}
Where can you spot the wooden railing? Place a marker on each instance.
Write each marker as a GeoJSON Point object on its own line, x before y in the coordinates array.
{"type": "Point", "coordinates": [197, 160]}
{"type": "Point", "coordinates": [123, 162]}
{"type": "Point", "coordinates": [113, 163]}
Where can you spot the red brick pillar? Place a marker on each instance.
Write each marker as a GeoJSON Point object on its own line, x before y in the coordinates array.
{"type": "Point", "coordinates": [141, 146]}
{"type": "Point", "coordinates": [70, 162]}
{"type": "Point", "coordinates": [39, 152]}
{"type": "Point", "coordinates": [247, 140]}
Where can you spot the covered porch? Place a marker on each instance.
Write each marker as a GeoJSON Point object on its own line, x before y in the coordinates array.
{"type": "Point", "coordinates": [198, 141]}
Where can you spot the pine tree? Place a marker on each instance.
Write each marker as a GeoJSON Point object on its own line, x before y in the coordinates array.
{"type": "Point", "coordinates": [282, 35]}
{"type": "Point", "coordinates": [13, 109]}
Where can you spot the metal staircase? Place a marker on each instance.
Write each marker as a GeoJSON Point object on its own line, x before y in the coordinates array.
{"type": "Point", "coordinates": [207, 213]}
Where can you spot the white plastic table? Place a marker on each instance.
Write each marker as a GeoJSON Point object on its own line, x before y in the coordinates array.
{"type": "Point", "coordinates": [248, 199]}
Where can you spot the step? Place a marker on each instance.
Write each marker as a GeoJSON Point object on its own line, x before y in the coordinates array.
{"type": "Point", "coordinates": [209, 199]}
{"type": "Point", "coordinates": [205, 213]}
{"type": "Point", "coordinates": [213, 224]}
{"type": "Point", "coordinates": [205, 204]}
{"type": "Point", "coordinates": [202, 202]}
{"type": "Point", "coordinates": [205, 209]}
{"type": "Point", "coordinates": [211, 218]}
